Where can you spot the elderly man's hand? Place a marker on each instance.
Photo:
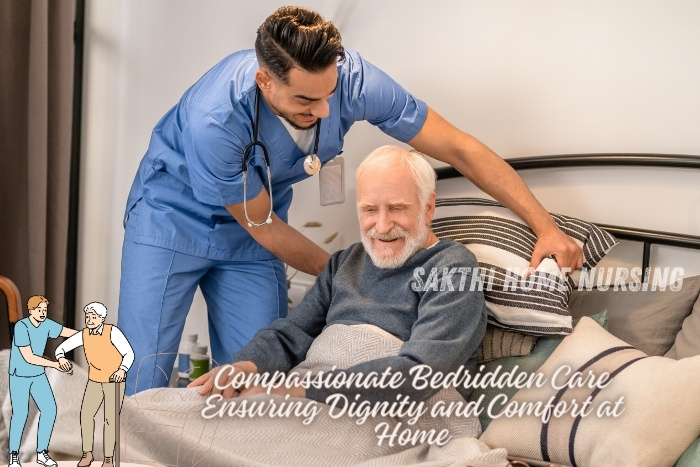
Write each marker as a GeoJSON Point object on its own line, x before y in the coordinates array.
{"type": "Point", "coordinates": [118, 376]}
{"type": "Point", "coordinates": [294, 391]}
{"type": "Point", "coordinates": [566, 252]}
{"type": "Point", "coordinates": [64, 365]}
{"type": "Point", "coordinates": [220, 380]}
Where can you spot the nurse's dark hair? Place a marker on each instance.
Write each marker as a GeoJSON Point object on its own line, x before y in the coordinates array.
{"type": "Point", "coordinates": [296, 36]}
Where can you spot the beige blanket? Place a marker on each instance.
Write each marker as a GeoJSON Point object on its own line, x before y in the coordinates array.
{"type": "Point", "coordinates": [179, 427]}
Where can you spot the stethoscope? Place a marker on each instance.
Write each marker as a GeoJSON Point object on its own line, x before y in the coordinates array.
{"type": "Point", "coordinates": [312, 164]}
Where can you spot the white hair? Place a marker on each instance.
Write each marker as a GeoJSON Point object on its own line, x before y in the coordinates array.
{"type": "Point", "coordinates": [97, 307]}
{"type": "Point", "coordinates": [423, 174]}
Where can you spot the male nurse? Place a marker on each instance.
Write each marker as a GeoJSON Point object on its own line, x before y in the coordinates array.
{"type": "Point", "coordinates": [28, 378]}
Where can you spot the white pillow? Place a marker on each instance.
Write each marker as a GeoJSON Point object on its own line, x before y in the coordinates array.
{"type": "Point", "coordinates": [503, 245]}
{"type": "Point", "coordinates": [657, 415]}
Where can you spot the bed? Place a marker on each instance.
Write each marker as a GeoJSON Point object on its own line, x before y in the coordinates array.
{"type": "Point", "coordinates": [660, 426]}
{"type": "Point", "coordinates": [645, 412]}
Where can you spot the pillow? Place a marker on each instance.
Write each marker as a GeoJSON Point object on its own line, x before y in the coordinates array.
{"type": "Point", "coordinates": [540, 353]}
{"type": "Point", "coordinates": [644, 414]}
{"type": "Point", "coordinates": [686, 343]}
{"type": "Point", "coordinates": [691, 456]}
{"type": "Point", "coordinates": [499, 343]}
{"type": "Point", "coordinates": [503, 245]}
{"type": "Point", "coordinates": [646, 319]}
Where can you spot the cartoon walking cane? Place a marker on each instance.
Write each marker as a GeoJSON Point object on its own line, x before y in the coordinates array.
{"type": "Point", "coordinates": [117, 410]}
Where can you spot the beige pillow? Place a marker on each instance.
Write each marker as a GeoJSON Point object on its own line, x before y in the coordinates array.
{"type": "Point", "coordinates": [687, 342]}
{"type": "Point", "coordinates": [646, 414]}
{"type": "Point", "coordinates": [648, 320]}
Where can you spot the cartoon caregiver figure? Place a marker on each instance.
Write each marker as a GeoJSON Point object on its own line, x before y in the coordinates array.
{"type": "Point", "coordinates": [109, 356]}
{"type": "Point", "coordinates": [28, 378]}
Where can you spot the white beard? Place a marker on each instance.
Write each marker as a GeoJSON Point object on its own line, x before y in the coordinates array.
{"type": "Point", "coordinates": [379, 255]}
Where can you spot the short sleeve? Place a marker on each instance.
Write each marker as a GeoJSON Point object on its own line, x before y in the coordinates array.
{"type": "Point", "coordinates": [54, 328]}
{"type": "Point", "coordinates": [214, 155]}
{"type": "Point", "coordinates": [380, 100]}
{"type": "Point", "coordinates": [21, 335]}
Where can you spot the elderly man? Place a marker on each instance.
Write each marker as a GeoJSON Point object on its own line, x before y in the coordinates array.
{"type": "Point", "coordinates": [372, 282]}
{"type": "Point", "coordinates": [109, 356]}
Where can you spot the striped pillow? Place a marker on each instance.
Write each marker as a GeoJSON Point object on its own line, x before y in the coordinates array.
{"type": "Point", "coordinates": [503, 245]}
{"type": "Point", "coordinates": [644, 412]}
{"type": "Point", "coordinates": [500, 343]}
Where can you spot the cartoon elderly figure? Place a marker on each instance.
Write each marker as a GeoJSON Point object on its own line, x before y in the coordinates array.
{"type": "Point", "coordinates": [109, 356]}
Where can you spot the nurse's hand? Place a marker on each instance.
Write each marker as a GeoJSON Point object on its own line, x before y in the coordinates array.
{"type": "Point", "coordinates": [224, 380]}
{"type": "Point", "coordinates": [566, 252]}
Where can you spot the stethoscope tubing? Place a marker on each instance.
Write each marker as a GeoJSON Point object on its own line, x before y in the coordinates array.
{"type": "Point", "coordinates": [246, 157]}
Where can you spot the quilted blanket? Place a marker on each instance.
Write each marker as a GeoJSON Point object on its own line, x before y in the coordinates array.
{"type": "Point", "coordinates": [179, 427]}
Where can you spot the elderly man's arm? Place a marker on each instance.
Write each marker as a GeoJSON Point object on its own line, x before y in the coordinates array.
{"type": "Point", "coordinates": [280, 346]}
{"type": "Point", "coordinates": [441, 140]}
{"type": "Point", "coordinates": [72, 343]}
{"type": "Point", "coordinates": [119, 341]}
{"type": "Point", "coordinates": [122, 345]}
{"type": "Point", "coordinates": [67, 332]}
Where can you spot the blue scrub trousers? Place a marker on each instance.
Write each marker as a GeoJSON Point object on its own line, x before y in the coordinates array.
{"type": "Point", "coordinates": [21, 387]}
{"type": "Point", "coordinates": [156, 291]}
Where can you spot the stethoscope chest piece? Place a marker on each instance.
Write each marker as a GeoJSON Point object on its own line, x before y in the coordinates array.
{"type": "Point", "coordinates": [312, 164]}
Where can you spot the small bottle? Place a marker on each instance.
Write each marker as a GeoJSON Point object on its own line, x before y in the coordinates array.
{"type": "Point", "coordinates": [199, 362]}
{"type": "Point", "coordinates": [187, 347]}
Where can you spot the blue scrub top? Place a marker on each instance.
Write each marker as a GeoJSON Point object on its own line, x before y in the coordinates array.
{"type": "Point", "coordinates": [35, 337]}
{"type": "Point", "coordinates": [193, 166]}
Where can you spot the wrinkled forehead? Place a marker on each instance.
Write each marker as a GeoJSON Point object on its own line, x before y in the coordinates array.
{"type": "Point", "coordinates": [387, 185]}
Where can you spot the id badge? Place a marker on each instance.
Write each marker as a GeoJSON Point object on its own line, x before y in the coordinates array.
{"type": "Point", "coordinates": [332, 182]}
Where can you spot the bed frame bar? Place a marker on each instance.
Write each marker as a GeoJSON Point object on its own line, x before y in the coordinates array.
{"type": "Point", "coordinates": [647, 237]}
{"type": "Point", "coordinates": [587, 160]}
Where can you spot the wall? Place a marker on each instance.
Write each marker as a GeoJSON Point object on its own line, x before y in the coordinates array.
{"type": "Point", "coordinates": [527, 78]}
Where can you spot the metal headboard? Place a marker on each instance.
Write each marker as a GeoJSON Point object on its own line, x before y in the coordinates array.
{"type": "Point", "coordinates": [647, 237]}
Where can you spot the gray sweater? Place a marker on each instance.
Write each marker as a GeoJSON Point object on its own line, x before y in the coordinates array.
{"type": "Point", "coordinates": [439, 328]}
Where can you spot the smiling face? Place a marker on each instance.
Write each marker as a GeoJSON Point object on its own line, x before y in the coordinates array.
{"type": "Point", "coordinates": [93, 320]}
{"type": "Point", "coordinates": [38, 314]}
{"type": "Point", "coordinates": [304, 99]}
{"type": "Point", "coordinates": [393, 223]}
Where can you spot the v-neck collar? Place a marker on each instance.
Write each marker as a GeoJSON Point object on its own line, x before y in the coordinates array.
{"type": "Point", "coordinates": [278, 141]}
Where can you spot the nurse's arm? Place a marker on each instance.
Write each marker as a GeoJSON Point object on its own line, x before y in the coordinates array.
{"type": "Point", "coordinates": [32, 359]}
{"type": "Point", "coordinates": [442, 141]}
{"type": "Point", "coordinates": [282, 240]}
{"type": "Point", "coordinates": [67, 332]}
